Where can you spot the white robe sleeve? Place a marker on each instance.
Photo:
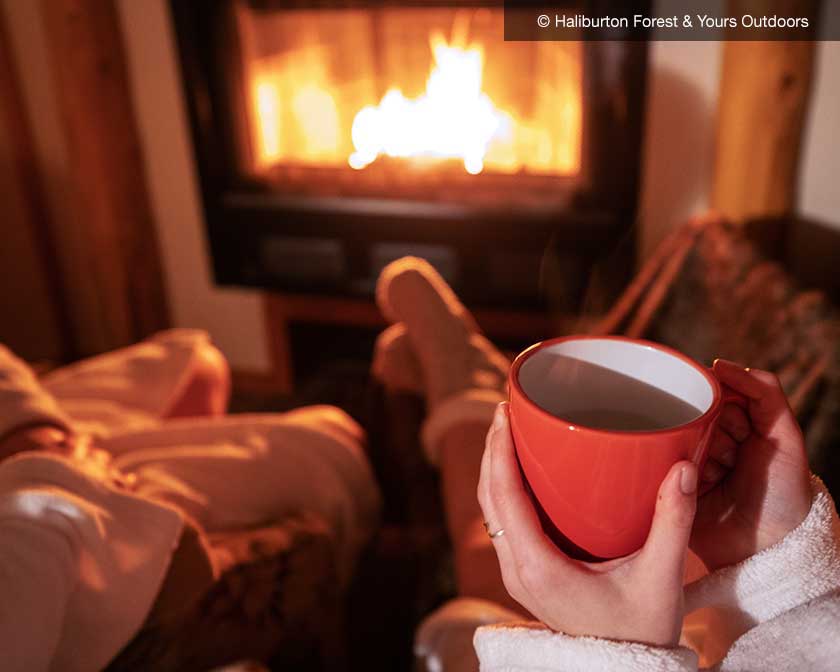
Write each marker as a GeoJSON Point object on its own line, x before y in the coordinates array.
{"type": "Point", "coordinates": [38, 572]}
{"type": "Point", "coordinates": [787, 598]}
{"type": "Point", "coordinates": [529, 647]}
{"type": "Point", "coordinates": [81, 561]}
{"type": "Point", "coordinates": [801, 567]}
{"type": "Point", "coordinates": [804, 639]}
{"type": "Point", "coordinates": [22, 399]}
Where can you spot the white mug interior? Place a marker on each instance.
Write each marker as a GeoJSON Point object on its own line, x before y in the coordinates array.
{"type": "Point", "coordinates": [576, 375]}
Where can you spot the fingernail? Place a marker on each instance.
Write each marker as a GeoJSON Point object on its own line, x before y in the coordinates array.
{"type": "Point", "coordinates": [499, 417]}
{"type": "Point", "coordinates": [688, 479]}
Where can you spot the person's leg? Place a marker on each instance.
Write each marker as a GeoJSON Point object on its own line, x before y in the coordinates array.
{"type": "Point", "coordinates": [248, 471]}
{"type": "Point", "coordinates": [288, 502]}
{"type": "Point", "coordinates": [436, 340]}
{"type": "Point", "coordinates": [463, 377]}
{"type": "Point", "coordinates": [175, 373]}
{"type": "Point", "coordinates": [207, 390]}
{"type": "Point", "coordinates": [476, 567]}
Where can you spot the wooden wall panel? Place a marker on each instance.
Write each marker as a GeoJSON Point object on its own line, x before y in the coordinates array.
{"type": "Point", "coordinates": [30, 303]}
{"type": "Point", "coordinates": [108, 249]}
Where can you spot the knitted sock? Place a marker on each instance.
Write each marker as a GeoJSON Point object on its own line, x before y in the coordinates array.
{"type": "Point", "coordinates": [415, 265]}
{"type": "Point", "coordinates": [395, 365]}
{"type": "Point", "coordinates": [453, 355]}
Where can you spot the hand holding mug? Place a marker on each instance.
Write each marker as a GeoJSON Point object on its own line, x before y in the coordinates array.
{"type": "Point", "coordinates": [635, 598]}
{"type": "Point", "coordinates": [755, 487]}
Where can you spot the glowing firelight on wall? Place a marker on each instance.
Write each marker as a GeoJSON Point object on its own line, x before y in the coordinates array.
{"type": "Point", "coordinates": [454, 118]}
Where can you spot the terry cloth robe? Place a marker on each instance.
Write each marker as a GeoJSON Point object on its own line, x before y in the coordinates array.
{"type": "Point", "coordinates": [84, 550]}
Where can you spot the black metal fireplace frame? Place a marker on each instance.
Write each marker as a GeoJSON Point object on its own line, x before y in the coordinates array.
{"type": "Point", "coordinates": [241, 216]}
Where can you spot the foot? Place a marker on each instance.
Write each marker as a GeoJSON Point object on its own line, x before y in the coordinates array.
{"type": "Point", "coordinates": [395, 365]}
{"type": "Point", "coordinates": [453, 355]}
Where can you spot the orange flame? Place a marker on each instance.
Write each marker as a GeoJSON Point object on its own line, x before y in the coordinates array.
{"type": "Point", "coordinates": [301, 115]}
{"type": "Point", "coordinates": [454, 118]}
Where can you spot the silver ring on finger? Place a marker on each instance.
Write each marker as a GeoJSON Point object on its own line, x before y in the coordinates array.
{"type": "Point", "coordinates": [493, 535]}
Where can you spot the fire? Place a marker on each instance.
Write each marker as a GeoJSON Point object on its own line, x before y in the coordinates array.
{"type": "Point", "coordinates": [308, 108]}
{"type": "Point", "coordinates": [295, 114]}
{"type": "Point", "coordinates": [268, 111]}
{"type": "Point", "coordinates": [454, 118]}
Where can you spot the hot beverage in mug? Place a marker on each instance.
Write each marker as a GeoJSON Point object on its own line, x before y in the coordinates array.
{"type": "Point", "coordinates": [595, 396]}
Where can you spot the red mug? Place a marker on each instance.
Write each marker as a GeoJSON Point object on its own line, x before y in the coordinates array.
{"type": "Point", "coordinates": [598, 421]}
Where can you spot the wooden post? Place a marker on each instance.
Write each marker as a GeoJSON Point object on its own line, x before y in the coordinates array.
{"type": "Point", "coordinates": [764, 95]}
{"type": "Point", "coordinates": [108, 253]}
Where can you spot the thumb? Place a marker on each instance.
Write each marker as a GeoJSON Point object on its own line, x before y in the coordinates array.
{"type": "Point", "coordinates": [664, 550]}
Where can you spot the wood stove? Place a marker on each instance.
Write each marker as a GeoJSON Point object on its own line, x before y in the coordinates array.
{"type": "Point", "coordinates": [333, 137]}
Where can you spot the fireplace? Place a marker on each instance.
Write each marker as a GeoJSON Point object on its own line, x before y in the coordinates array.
{"type": "Point", "coordinates": [331, 138]}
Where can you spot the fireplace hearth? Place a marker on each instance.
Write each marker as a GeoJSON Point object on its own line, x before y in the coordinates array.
{"type": "Point", "coordinates": [331, 138]}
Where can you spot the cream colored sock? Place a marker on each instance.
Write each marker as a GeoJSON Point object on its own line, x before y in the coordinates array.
{"type": "Point", "coordinates": [453, 355]}
{"type": "Point", "coordinates": [395, 365]}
